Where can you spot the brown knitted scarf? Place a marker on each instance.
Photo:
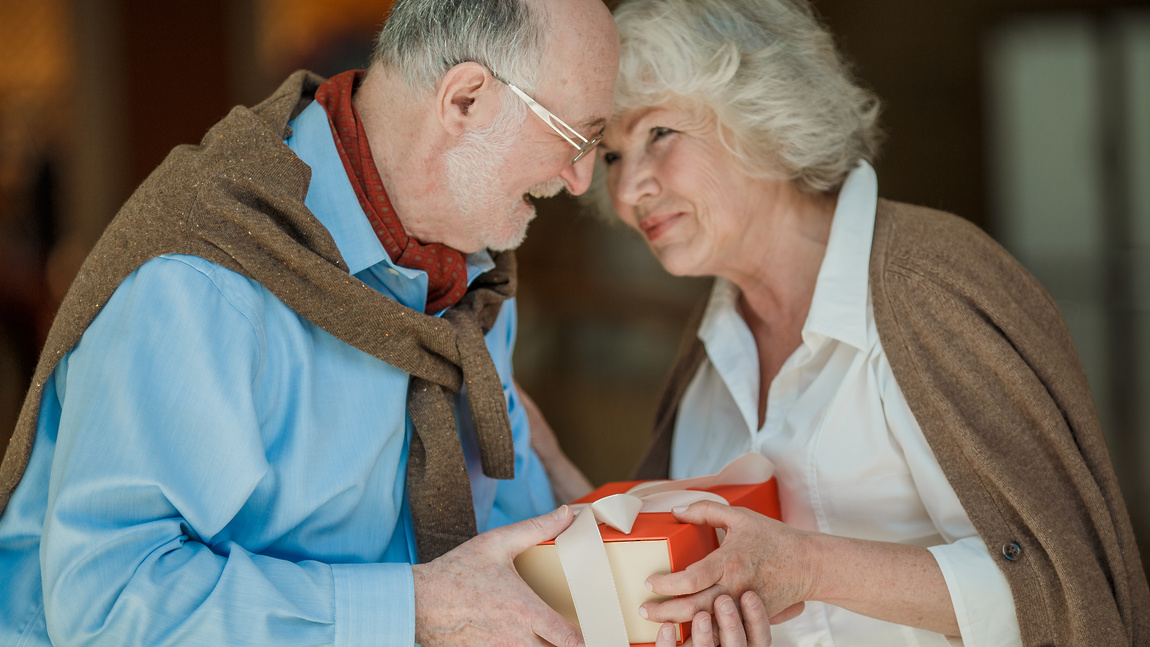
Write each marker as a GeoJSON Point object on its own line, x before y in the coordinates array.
{"type": "Point", "coordinates": [237, 199]}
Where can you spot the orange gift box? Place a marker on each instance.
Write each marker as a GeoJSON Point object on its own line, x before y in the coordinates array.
{"type": "Point", "coordinates": [656, 544]}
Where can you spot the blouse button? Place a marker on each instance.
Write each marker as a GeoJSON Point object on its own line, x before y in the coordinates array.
{"type": "Point", "coordinates": [1011, 551]}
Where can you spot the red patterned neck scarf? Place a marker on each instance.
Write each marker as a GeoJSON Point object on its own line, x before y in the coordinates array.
{"type": "Point", "coordinates": [445, 267]}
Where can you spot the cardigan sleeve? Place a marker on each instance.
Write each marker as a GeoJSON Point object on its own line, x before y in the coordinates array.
{"type": "Point", "coordinates": [988, 367]}
{"type": "Point", "coordinates": [979, 592]}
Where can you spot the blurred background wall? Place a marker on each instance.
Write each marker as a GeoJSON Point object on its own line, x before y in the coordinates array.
{"type": "Point", "coordinates": [1029, 117]}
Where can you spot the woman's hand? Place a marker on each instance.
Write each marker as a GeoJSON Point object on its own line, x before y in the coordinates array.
{"type": "Point", "coordinates": [758, 554]}
{"type": "Point", "coordinates": [750, 629]}
{"type": "Point", "coordinates": [567, 481]}
{"type": "Point", "coordinates": [898, 583]}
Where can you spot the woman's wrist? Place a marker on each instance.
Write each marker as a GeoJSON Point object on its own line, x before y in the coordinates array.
{"type": "Point", "coordinates": [817, 557]}
{"type": "Point", "coordinates": [894, 582]}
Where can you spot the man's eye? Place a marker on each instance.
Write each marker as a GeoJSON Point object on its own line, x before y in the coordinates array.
{"type": "Point", "coordinates": [658, 132]}
{"type": "Point", "coordinates": [610, 157]}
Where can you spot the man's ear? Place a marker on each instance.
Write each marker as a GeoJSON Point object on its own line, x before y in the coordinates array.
{"type": "Point", "coordinates": [467, 96]}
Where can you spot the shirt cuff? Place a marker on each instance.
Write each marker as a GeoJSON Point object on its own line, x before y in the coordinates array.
{"type": "Point", "coordinates": [374, 604]}
{"type": "Point", "coordinates": [980, 593]}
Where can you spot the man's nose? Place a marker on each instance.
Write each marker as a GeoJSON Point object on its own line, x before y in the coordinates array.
{"type": "Point", "coordinates": [578, 175]}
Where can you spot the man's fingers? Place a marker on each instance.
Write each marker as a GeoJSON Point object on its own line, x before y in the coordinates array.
{"type": "Point", "coordinates": [703, 630]}
{"type": "Point", "coordinates": [681, 609]}
{"type": "Point", "coordinates": [756, 624]}
{"type": "Point", "coordinates": [556, 630]}
{"type": "Point", "coordinates": [518, 537]}
{"type": "Point", "coordinates": [730, 625]}
{"type": "Point", "coordinates": [696, 577]}
{"type": "Point", "coordinates": [666, 635]}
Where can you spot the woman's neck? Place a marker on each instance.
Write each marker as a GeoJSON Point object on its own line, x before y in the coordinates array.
{"type": "Point", "coordinates": [777, 284]}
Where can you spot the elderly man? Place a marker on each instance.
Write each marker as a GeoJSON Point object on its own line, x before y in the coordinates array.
{"type": "Point", "coordinates": [277, 405]}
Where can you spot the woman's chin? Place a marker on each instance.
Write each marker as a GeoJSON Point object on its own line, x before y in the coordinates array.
{"type": "Point", "coordinates": [677, 264]}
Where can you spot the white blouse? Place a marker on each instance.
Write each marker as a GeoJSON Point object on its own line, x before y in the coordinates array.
{"type": "Point", "coordinates": [851, 459]}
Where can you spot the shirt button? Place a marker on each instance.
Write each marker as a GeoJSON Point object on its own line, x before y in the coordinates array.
{"type": "Point", "coordinates": [1011, 551]}
{"type": "Point", "coordinates": [393, 271]}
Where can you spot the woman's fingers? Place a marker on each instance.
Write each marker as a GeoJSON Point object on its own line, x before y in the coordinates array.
{"type": "Point", "coordinates": [708, 512]}
{"type": "Point", "coordinates": [681, 609]}
{"type": "Point", "coordinates": [696, 577]}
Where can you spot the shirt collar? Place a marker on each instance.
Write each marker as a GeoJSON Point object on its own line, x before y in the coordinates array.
{"type": "Point", "coordinates": [331, 198]}
{"type": "Point", "coordinates": [839, 306]}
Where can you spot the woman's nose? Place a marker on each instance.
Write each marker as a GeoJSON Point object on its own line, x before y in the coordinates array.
{"type": "Point", "coordinates": [634, 181]}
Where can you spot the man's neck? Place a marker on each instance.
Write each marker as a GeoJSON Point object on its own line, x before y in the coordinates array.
{"type": "Point", "coordinates": [407, 146]}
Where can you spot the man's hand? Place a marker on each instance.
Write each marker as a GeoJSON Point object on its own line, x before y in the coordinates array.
{"type": "Point", "coordinates": [473, 596]}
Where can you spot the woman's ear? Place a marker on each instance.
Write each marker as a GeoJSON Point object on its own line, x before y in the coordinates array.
{"type": "Point", "coordinates": [467, 96]}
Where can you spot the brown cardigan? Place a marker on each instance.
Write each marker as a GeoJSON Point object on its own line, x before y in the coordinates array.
{"type": "Point", "coordinates": [237, 199]}
{"type": "Point", "coordinates": [988, 368]}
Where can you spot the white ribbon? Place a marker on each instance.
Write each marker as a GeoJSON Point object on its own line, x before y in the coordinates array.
{"type": "Point", "coordinates": [584, 558]}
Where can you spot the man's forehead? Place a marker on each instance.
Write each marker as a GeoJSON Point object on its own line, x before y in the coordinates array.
{"type": "Point", "coordinates": [581, 62]}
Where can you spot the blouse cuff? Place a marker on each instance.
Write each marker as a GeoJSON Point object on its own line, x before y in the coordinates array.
{"type": "Point", "coordinates": [980, 593]}
{"type": "Point", "coordinates": [374, 604]}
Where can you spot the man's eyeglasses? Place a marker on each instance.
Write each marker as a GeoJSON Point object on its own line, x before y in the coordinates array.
{"type": "Point", "coordinates": [579, 142]}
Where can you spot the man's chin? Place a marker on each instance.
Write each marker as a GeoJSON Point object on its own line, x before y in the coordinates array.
{"type": "Point", "coordinates": [512, 239]}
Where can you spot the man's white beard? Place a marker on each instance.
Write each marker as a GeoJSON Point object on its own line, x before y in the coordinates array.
{"type": "Point", "coordinates": [473, 168]}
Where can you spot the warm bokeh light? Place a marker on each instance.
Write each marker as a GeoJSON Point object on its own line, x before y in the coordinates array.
{"type": "Point", "coordinates": [35, 47]}
{"type": "Point", "coordinates": [291, 30]}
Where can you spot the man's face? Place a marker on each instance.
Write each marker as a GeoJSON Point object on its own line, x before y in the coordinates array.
{"type": "Point", "coordinates": [476, 168]}
{"type": "Point", "coordinates": [495, 170]}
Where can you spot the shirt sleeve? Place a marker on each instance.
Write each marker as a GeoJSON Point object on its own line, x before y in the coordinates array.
{"type": "Point", "coordinates": [529, 493]}
{"type": "Point", "coordinates": [983, 603]}
{"type": "Point", "coordinates": [158, 448]}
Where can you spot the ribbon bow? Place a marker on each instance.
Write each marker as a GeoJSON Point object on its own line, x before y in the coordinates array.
{"type": "Point", "coordinates": [584, 558]}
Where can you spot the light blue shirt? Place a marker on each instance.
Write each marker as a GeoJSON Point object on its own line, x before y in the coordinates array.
{"type": "Point", "coordinates": [212, 469]}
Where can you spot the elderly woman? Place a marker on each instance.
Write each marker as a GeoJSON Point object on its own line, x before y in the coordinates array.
{"type": "Point", "coordinates": [942, 473]}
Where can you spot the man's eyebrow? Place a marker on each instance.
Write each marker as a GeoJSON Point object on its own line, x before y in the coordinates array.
{"type": "Point", "coordinates": [596, 124]}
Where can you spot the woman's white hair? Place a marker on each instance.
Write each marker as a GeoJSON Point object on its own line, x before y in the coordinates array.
{"type": "Point", "coordinates": [786, 103]}
{"type": "Point", "coordinates": [422, 39]}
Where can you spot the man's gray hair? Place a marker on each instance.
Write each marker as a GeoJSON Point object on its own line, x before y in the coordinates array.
{"type": "Point", "coordinates": [422, 39]}
{"type": "Point", "coordinates": [785, 101]}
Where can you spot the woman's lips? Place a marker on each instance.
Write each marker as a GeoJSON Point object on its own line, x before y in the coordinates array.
{"type": "Point", "coordinates": [655, 226]}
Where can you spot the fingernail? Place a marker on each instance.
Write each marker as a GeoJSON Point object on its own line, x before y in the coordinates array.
{"type": "Point", "coordinates": [561, 512]}
{"type": "Point", "coordinates": [679, 509]}
{"type": "Point", "coordinates": [705, 624]}
{"type": "Point", "coordinates": [667, 632]}
{"type": "Point", "coordinates": [727, 606]}
{"type": "Point", "coordinates": [751, 601]}
{"type": "Point", "coordinates": [643, 613]}
{"type": "Point", "coordinates": [647, 583]}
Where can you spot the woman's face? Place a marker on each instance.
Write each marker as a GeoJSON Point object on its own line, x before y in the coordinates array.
{"type": "Point", "coordinates": [672, 180]}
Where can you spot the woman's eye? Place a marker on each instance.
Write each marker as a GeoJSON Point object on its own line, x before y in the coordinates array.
{"type": "Point", "coordinates": [610, 157]}
{"type": "Point", "coordinates": [658, 132]}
